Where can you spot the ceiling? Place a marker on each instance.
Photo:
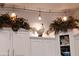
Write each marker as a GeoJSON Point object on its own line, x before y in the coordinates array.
{"type": "Point", "coordinates": [53, 7]}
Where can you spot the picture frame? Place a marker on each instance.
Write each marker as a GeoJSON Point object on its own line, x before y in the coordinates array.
{"type": "Point", "coordinates": [65, 45]}
{"type": "Point", "coordinates": [64, 39]}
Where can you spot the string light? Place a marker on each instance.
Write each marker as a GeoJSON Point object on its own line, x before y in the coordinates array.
{"type": "Point", "coordinates": [64, 18]}
{"type": "Point", "coordinates": [13, 16]}
{"type": "Point", "coordinates": [39, 17]}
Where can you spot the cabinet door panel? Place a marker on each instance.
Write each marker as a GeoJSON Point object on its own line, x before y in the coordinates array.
{"type": "Point", "coordinates": [20, 43]}
{"type": "Point", "coordinates": [76, 46]}
{"type": "Point", "coordinates": [44, 47]}
{"type": "Point", "coordinates": [4, 43]}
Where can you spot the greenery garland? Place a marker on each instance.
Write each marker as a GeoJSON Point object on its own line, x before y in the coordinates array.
{"type": "Point", "coordinates": [63, 26]}
{"type": "Point", "coordinates": [6, 21]}
{"type": "Point", "coordinates": [57, 25]}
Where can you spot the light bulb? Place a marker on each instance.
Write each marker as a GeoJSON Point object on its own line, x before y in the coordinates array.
{"type": "Point", "coordinates": [64, 18]}
{"type": "Point", "coordinates": [13, 16]}
{"type": "Point", "coordinates": [39, 18]}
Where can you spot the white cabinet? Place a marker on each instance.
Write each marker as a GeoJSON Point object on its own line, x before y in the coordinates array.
{"type": "Point", "coordinates": [76, 45]}
{"type": "Point", "coordinates": [73, 43]}
{"type": "Point", "coordinates": [4, 43]}
{"type": "Point", "coordinates": [14, 43]}
{"type": "Point", "coordinates": [20, 43]}
{"type": "Point", "coordinates": [44, 46]}
{"type": "Point", "coordinates": [50, 46]}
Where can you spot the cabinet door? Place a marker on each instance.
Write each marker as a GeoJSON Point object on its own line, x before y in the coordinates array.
{"type": "Point", "coordinates": [20, 43]}
{"type": "Point", "coordinates": [76, 45]}
{"type": "Point", "coordinates": [44, 47]}
{"type": "Point", "coordinates": [4, 43]}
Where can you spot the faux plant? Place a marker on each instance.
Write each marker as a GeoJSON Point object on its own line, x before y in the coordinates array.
{"type": "Point", "coordinates": [6, 21]}
{"type": "Point", "coordinates": [19, 23]}
{"type": "Point", "coordinates": [63, 26]}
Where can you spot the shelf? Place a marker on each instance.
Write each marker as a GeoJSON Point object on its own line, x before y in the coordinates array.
{"type": "Point", "coordinates": [65, 45]}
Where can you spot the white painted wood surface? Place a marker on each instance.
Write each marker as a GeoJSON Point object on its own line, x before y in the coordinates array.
{"type": "Point", "coordinates": [74, 42]}
{"type": "Point", "coordinates": [76, 45]}
{"type": "Point", "coordinates": [21, 44]}
{"type": "Point", "coordinates": [4, 43]}
{"type": "Point", "coordinates": [44, 47]}
{"type": "Point", "coordinates": [14, 43]}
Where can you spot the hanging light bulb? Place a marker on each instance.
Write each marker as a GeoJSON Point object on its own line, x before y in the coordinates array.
{"type": "Point", "coordinates": [64, 18]}
{"type": "Point", "coordinates": [39, 17]}
{"type": "Point", "coordinates": [13, 16]}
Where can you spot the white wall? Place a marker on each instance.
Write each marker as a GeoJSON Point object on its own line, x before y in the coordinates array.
{"type": "Point", "coordinates": [76, 13]}
{"type": "Point", "coordinates": [32, 16]}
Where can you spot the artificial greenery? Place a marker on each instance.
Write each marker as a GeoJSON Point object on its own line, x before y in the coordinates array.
{"type": "Point", "coordinates": [63, 26]}
{"type": "Point", "coordinates": [6, 21]}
